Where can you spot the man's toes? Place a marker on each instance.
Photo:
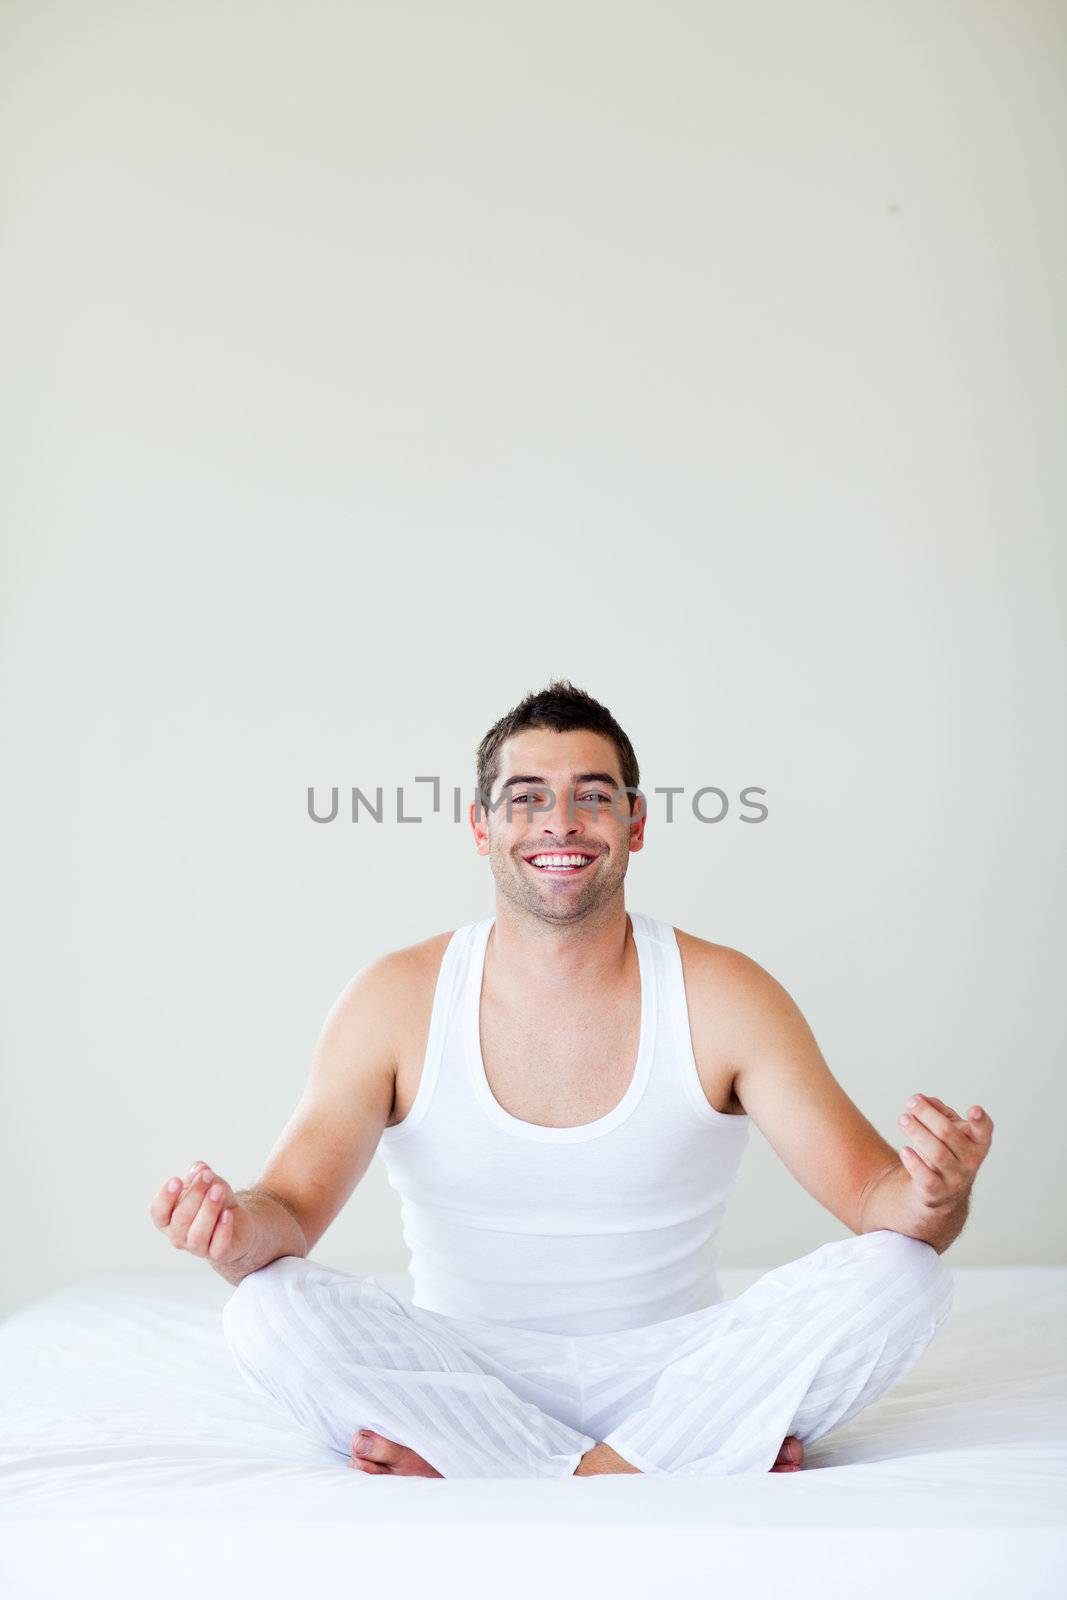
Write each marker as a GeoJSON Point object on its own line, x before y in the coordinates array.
{"type": "Point", "coordinates": [372, 1452]}
{"type": "Point", "coordinates": [790, 1457]}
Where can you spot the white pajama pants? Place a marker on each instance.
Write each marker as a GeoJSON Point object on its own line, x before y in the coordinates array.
{"type": "Point", "coordinates": [716, 1391]}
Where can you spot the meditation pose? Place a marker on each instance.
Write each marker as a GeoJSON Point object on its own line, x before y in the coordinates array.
{"type": "Point", "coordinates": [562, 1094]}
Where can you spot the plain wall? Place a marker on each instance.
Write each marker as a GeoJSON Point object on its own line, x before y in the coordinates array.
{"type": "Point", "coordinates": [369, 365]}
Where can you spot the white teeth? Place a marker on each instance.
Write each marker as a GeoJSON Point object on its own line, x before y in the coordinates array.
{"type": "Point", "coordinates": [559, 861]}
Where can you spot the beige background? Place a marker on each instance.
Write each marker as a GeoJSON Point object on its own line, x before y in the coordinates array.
{"type": "Point", "coordinates": [369, 364]}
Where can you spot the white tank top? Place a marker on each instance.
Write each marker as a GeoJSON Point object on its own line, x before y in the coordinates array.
{"type": "Point", "coordinates": [588, 1229]}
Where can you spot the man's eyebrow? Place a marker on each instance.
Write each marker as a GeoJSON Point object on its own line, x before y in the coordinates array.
{"type": "Point", "coordinates": [577, 777]}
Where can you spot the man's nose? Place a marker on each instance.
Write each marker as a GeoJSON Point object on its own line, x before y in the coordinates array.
{"type": "Point", "coordinates": [563, 817]}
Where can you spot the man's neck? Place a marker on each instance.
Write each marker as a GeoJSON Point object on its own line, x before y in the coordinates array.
{"type": "Point", "coordinates": [587, 954]}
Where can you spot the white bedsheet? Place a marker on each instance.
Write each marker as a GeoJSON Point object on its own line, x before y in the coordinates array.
{"type": "Point", "coordinates": [135, 1462]}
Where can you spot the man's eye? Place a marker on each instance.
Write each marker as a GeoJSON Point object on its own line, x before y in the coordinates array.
{"type": "Point", "coordinates": [520, 799]}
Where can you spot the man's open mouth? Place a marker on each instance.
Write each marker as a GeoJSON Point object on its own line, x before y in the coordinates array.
{"type": "Point", "coordinates": [564, 864]}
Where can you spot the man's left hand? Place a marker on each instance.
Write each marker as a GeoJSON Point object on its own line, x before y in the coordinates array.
{"type": "Point", "coordinates": [946, 1149]}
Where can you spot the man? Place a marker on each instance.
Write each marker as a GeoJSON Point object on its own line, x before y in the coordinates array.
{"type": "Point", "coordinates": [561, 1094]}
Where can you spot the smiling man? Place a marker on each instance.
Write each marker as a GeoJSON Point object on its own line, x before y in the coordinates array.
{"type": "Point", "coordinates": [562, 1095]}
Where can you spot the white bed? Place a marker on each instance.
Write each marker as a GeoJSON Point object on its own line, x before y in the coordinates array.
{"type": "Point", "coordinates": [135, 1463]}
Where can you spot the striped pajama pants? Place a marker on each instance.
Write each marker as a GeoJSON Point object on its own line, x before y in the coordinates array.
{"type": "Point", "coordinates": [715, 1391]}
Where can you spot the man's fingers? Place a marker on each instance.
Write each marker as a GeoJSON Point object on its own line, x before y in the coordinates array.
{"type": "Point", "coordinates": [923, 1109]}
{"type": "Point", "coordinates": [930, 1185]}
{"type": "Point", "coordinates": [976, 1126]}
{"type": "Point", "coordinates": [974, 1132]}
{"type": "Point", "coordinates": [222, 1238]}
{"type": "Point", "coordinates": [183, 1210]}
{"type": "Point", "coordinates": [934, 1153]}
{"type": "Point", "coordinates": [163, 1203]}
{"type": "Point", "coordinates": [981, 1126]}
{"type": "Point", "coordinates": [933, 1134]}
{"type": "Point", "coordinates": [189, 1203]}
{"type": "Point", "coordinates": [915, 1163]}
{"type": "Point", "coordinates": [215, 1193]}
{"type": "Point", "coordinates": [941, 1106]}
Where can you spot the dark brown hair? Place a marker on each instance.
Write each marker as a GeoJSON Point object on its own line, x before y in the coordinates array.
{"type": "Point", "coordinates": [562, 708]}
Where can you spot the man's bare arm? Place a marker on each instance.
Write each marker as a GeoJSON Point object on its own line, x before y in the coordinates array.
{"type": "Point", "coordinates": [320, 1155]}
{"type": "Point", "coordinates": [785, 1085]}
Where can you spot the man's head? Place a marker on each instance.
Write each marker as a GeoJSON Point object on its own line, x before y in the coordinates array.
{"type": "Point", "coordinates": [564, 763]}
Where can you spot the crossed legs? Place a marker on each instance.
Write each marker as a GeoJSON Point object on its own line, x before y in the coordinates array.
{"type": "Point", "coordinates": [803, 1350]}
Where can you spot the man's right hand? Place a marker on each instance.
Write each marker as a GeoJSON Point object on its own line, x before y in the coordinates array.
{"type": "Point", "coordinates": [203, 1216]}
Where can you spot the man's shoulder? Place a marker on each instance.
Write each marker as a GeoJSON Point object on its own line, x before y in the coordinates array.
{"type": "Point", "coordinates": [728, 989]}
{"type": "Point", "coordinates": [400, 975]}
{"type": "Point", "coordinates": [715, 962]}
{"type": "Point", "coordinates": [719, 977]}
{"type": "Point", "coordinates": [389, 998]}
{"type": "Point", "coordinates": [725, 995]}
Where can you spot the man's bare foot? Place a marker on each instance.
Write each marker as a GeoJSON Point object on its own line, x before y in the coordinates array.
{"type": "Point", "coordinates": [790, 1457]}
{"type": "Point", "coordinates": [374, 1453]}
{"type": "Point", "coordinates": [602, 1458]}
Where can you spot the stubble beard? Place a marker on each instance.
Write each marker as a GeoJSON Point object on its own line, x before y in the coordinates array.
{"type": "Point", "coordinates": [513, 882]}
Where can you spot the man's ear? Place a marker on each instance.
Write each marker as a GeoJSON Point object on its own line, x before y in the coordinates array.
{"type": "Point", "coordinates": [480, 829]}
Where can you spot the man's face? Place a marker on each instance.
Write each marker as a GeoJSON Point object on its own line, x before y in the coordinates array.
{"type": "Point", "coordinates": [580, 823]}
